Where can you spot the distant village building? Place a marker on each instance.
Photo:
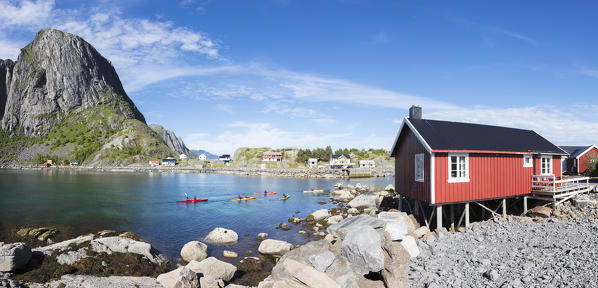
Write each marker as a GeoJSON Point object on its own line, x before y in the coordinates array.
{"type": "Point", "coordinates": [184, 156]}
{"type": "Point", "coordinates": [272, 156]}
{"type": "Point", "coordinates": [580, 158]}
{"type": "Point", "coordinates": [170, 161]}
{"type": "Point", "coordinates": [74, 162]}
{"type": "Point", "coordinates": [224, 158]}
{"type": "Point", "coordinates": [203, 157]}
{"type": "Point", "coordinates": [367, 164]}
{"type": "Point", "coordinates": [50, 162]}
{"type": "Point", "coordinates": [342, 159]}
{"type": "Point", "coordinates": [312, 162]}
{"type": "Point", "coordinates": [154, 163]}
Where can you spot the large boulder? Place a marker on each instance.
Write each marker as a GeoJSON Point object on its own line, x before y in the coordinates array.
{"type": "Point", "coordinates": [222, 236]}
{"type": "Point", "coordinates": [308, 275]}
{"type": "Point", "coordinates": [214, 268]}
{"type": "Point", "coordinates": [395, 224]}
{"type": "Point", "coordinates": [194, 250]}
{"type": "Point", "coordinates": [334, 219]}
{"type": "Point", "coordinates": [363, 250]}
{"type": "Point", "coordinates": [210, 282]}
{"type": "Point", "coordinates": [319, 215]}
{"type": "Point", "coordinates": [126, 245]}
{"type": "Point", "coordinates": [112, 281]}
{"type": "Point", "coordinates": [340, 229]}
{"type": "Point", "coordinates": [539, 211]}
{"type": "Point", "coordinates": [364, 201]}
{"type": "Point", "coordinates": [343, 195]}
{"type": "Point", "coordinates": [14, 256]}
{"type": "Point", "coordinates": [321, 261]}
{"type": "Point", "coordinates": [410, 245]}
{"type": "Point", "coordinates": [182, 277]}
{"type": "Point", "coordinates": [396, 260]}
{"type": "Point", "coordinates": [64, 245]}
{"type": "Point", "coordinates": [71, 257]}
{"type": "Point", "coordinates": [301, 267]}
{"type": "Point", "coordinates": [274, 247]}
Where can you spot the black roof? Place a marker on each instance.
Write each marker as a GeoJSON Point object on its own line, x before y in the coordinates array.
{"type": "Point", "coordinates": [337, 156]}
{"type": "Point", "coordinates": [445, 135]}
{"type": "Point", "coordinates": [575, 151]}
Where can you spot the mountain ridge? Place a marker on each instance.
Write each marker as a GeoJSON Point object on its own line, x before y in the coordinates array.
{"type": "Point", "coordinates": [62, 99]}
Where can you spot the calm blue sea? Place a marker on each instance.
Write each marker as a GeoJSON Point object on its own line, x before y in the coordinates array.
{"type": "Point", "coordinates": [145, 203]}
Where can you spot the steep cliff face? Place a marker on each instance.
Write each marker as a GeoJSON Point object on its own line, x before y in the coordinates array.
{"type": "Point", "coordinates": [62, 100]}
{"type": "Point", "coordinates": [6, 67]}
{"type": "Point", "coordinates": [57, 74]}
{"type": "Point", "coordinates": [175, 143]}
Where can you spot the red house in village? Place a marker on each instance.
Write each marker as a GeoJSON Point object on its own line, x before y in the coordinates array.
{"type": "Point", "coordinates": [441, 162]}
{"type": "Point", "coordinates": [580, 158]}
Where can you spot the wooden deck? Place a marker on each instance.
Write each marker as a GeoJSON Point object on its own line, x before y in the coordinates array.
{"type": "Point", "coordinates": [549, 188]}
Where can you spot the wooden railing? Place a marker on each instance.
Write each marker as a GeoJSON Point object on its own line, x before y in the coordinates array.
{"type": "Point", "coordinates": [549, 187]}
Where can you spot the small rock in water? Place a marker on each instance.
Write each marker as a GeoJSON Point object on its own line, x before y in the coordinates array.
{"type": "Point", "coordinates": [301, 232]}
{"type": "Point", "coordinates": [262, 235]}
{"type": "Point", "coordinates": [229, 254]}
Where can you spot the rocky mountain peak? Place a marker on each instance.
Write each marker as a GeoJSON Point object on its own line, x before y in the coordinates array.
{"type": "Point", "coordinates": [172, 141]}
{"type": "Point", "coordinates": [55, 74]}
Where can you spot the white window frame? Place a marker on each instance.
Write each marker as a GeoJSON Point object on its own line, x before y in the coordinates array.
{"type": "Point", "coordinates": [416, 167]}
{"type": "Point", "coordinates": [531, 161]}
{"type": "Point", "coordinates": [452, 179]}
{"type": "Point", "coordinates": [542, 172]}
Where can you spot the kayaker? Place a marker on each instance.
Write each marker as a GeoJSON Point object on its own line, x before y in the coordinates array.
{"type": "Point", "coordinates": [186, 197]}
{"type": "Point", "coordinates": [265, 192]}
{"type": "Point", "coordinates": [240, 197]}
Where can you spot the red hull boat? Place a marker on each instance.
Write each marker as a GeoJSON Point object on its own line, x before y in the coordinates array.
{"type": "Point", "coordinates": [192, 201]}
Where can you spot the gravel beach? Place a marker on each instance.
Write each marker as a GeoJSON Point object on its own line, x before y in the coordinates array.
{"type": "Point", "coordinates": [511, 252]}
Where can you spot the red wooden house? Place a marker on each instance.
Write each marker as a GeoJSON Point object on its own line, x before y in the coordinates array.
{"type": "Point", "coordinates": [580, 158]}
{"type": "Point", "coordinates": [441, 162]}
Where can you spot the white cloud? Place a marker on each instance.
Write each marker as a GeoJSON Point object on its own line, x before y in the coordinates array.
{"type": "Point", "coordinates": [26, 14]}
{"type": "Point", "coordinates": [10, 48]}
{"type": "Point", "coordinates": [252, 134]}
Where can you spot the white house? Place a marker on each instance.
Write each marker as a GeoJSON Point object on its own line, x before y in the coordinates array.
{"type": "Point", "coordinates": [184, 156]}
{"type": "Point", "coordinates": [154, 163]}
{"type": "Point", "coordinates": [342, 159]}
{"type": "Point", "coordinates": [312, 162]}
{"type": "Point", "coordinates": [203, 157]}
{"type": "Point", "coordinates": [367, 164]}
{"type": "Point", "coordinates": [225, 158]}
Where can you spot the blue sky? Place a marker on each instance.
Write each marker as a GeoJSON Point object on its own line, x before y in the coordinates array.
{"type": "Point", "coordinates": [284, 73]}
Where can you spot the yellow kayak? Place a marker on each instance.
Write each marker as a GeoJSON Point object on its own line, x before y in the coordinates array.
{"type": "Point", "coordinates": [285, 198]}
{"type": "Point", "coordinates": [313, 191]}
{"type": "Point", "coordinates": [243, 199]}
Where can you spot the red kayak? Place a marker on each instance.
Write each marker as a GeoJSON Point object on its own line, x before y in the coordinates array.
{"type": "Point", "coordinates": [192, 200]}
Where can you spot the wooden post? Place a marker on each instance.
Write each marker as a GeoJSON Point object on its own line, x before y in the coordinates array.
{"type": "Point", "coordinates": [415, 210]}
{"type": "Point", "coordinates": [452, 218]}
{"type": "Point", "coordinates": [504, 207]}
{"type": "Point", "coordinates": [438, 216]}
{"type": "Point", "coordinates": [525, 204]}
{"type": "Point", "coordinates": [467, 215]}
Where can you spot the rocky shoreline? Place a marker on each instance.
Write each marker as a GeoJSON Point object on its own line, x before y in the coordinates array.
{"type": "Point", "coordinates": [362, 242]}
{"type": "Point", "coordinates": [291, 173]}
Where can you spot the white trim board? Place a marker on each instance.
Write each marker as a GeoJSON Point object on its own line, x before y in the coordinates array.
{"type": "Point", "coordinates": [586, 151]}
{"type": "Point", "coordinates": [419, 136]}
{"type": "Point", "coordinates": [432, 179]}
